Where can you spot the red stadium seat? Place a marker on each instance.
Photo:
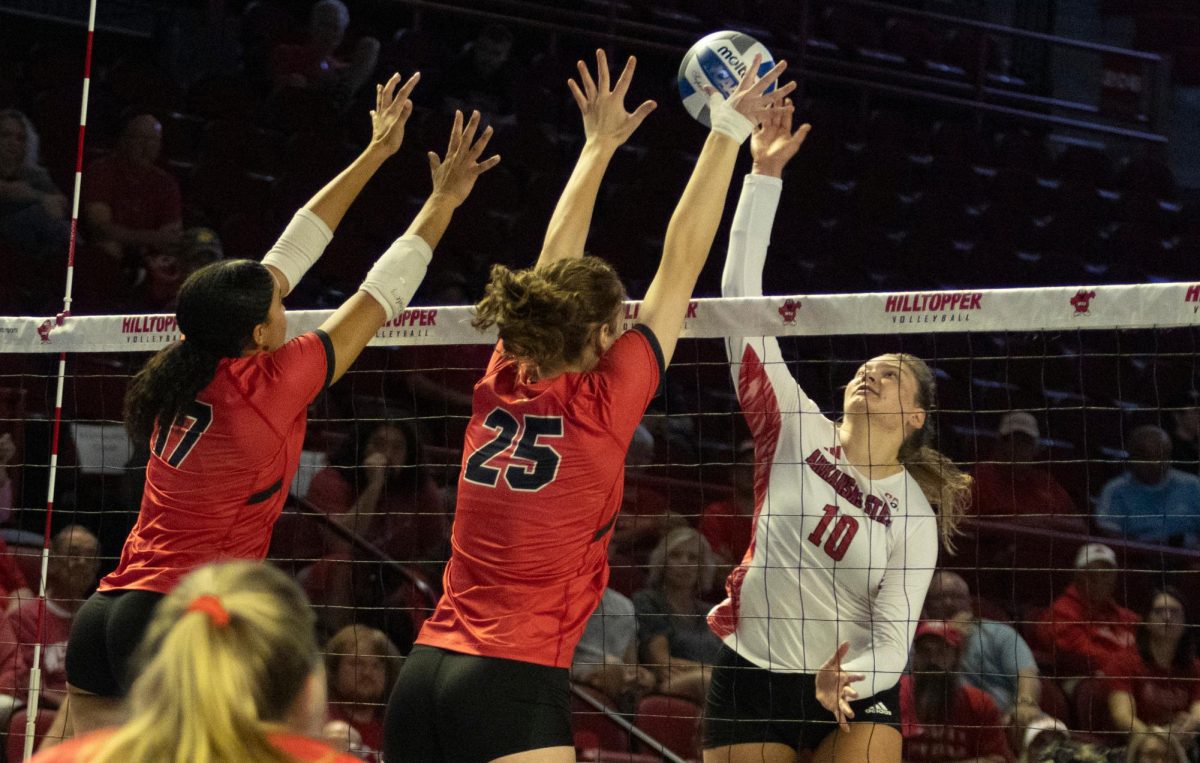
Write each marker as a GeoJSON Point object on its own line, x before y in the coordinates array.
{"type": "Point", "coordinates": [674, 721]}
{"type": "Point", "coordinates": [593, 730]}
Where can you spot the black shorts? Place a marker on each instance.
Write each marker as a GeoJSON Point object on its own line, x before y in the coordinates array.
{"type": "Point", "coordinates": [748, 704]}
{"type": "Point", "coordinates": [106, 631]}
{"type": "Point", "coordinates": [461, 708]}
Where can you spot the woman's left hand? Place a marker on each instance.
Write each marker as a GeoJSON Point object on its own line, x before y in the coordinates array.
{"type": "Point", "coordinates": [833, 687]}
{"type": "Point", "coordinates": [391, 113]}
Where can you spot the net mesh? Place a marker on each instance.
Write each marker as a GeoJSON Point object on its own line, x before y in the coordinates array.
{"type": "Point", "coordinates": [1087, 368]}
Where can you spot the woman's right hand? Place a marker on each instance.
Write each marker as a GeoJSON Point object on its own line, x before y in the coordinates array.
{"type": "Point", "coordinates": [604, 117]}
{"type": "Point", "coordinates": [833, 687]}
{"type": "Point", "coordinates": [773, 144]}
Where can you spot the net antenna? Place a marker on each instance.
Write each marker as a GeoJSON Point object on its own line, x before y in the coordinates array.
{"type": "Point", "coordinates": [35, 673]}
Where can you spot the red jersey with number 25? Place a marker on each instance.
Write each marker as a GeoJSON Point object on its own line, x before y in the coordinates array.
{"type": "Point", "coordinates": [218, 477]}
{"type": "Point", "coordinates": [542, 477]}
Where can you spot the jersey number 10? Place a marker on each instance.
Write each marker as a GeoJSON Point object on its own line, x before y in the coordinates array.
{"type": "Point", "coordinates": [838, 540]}
{"type": "Point", "coordinates": [543, 459]}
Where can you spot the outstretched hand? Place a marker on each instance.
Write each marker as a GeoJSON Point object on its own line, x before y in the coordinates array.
{"type": "Point", "coordinates": [391, 112]}
{"type": "Point", "coordinates": [603, 108]}
{"type": "Point", "coordinates": [773, 144]}
{"type": "Point", "coordinates": [454, 176]}
{"type": "Point", "coordinates": [833, 687]}
{"type": "Point", "coordinates": [751, 98]}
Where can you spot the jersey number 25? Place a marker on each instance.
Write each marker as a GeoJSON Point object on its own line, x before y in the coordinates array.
{"type": "Point", "coordinates": [541, 460]}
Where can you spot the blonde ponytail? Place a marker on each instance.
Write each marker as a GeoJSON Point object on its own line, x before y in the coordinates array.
{"type": "Point", "coordinates": [946, 487]}
{"type": "Point", "coordinates": [209, 681]}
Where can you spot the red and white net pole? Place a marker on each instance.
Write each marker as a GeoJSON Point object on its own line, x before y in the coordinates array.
{"type": "Point", "coordinates": [35, 673]}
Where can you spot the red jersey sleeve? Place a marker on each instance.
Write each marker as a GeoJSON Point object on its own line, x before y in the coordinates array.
{"type": "Point", "coordinates": [989, 726]}
{"type": "Point", "coordinates": [285, 381]}
{"type": "Point", "coordinates": [627, 378]}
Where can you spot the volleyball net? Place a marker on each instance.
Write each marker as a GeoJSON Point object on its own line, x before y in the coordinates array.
{"type": "Point", "coordinates": [1076, 371]}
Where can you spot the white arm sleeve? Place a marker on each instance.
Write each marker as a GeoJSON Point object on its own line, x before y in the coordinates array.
{"type": "Point", "coordinates": [897, 606]}
{"type": "Point", "coordinates": [749, 239]}
{"type": "Point", "coordinates": [302, 243]}
{"type": "Point", "coordinates": [395, 276]}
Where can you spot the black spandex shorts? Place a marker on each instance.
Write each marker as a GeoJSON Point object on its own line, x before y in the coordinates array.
{"type": "Point", "coordinates": [107, 629]}
{"type": "Point", "coordinates": [461, 708]}
{"type": "Point", "coordinates": [748, 704]}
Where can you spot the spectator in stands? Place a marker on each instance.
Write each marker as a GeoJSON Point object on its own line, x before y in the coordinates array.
{"type": "Point", "coordinates": [994, 657]}
{"type": "Point", "coordinates": [167, 270]}
{"type": "Point", "coordinates": [1185, 433]}
{"type": "Point", "coordinates": [377, 487]}
{"type": "Point", "coordinates": [1151, 501]}
{"type": "Point", "coordinates": [943, 718]}
{"type": "Point", "coordinates": [727, 523]}
{"type": "Point", "coordinates": [231, 671]}
{"type": "Point", "coordinates": [675, 642]}
{"type": "Point", "coordinates": [8, 450]}
{"type": "Point", "coordinates": [361, 664]}
{"type": "Point", "coordinates": [1012, 482]}
{"type": "Point", "coordinates": [483, 75]}
{"type": "Point", "coordinates": [1156, 745]}
{"type": "Point", "coordinates": [606, 657]}
{"type": "Point", "coordinates": [33, 212]}
{"type": "Point", "coordinates": [1085, 624]}
{"type": "Point", "coordinates": [132, 208]}
{"type": "Point", "coordinates": [14, 591]}
{"type": "Point", "coordinates": [1158, 683]}
{"type": "Point", "coordinates": [646, 514]}
{"type": "Point", "coordinates": [70, 578]}
{"type": "Point", "coordinates": [314, 64]}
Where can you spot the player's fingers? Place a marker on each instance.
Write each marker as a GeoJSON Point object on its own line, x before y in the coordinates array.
{"type": "Point", "coordinates": [406, 110]}
{"type": "Point", "coordinates": [642, 112]}
{"type": "Point", "coordinates": [389, 89]}
{"type": "Point", "coordinates": [378, 98]}
{"type": "Point", "coordinates": [487, 164]}
{"type": "Point", "coordinates": [760, 86]}
{"type": "Point", "coordinates": [455, 133]}
{"type": "Point", "coordinates": [751, 74]}
{"type": "Point", "coordinates": [602, 70]}
{"type": "Point", "coordinates": [778, 94]}
{"type": "Point", "coordinates": [472, 126]}
{"type": "Point", "coordinates": [626, 77]}
{"type": "Point", "coordinates": [577, 94]}
{"type": "Point", "coordinates": [434, 162]}
{"type": "Point", "coordinates": [589, 86]}
{"type": "Point", "coordinates": [480, 144]}
{"type": "Point", "coordinates": [800, 134]}
{"type": "Point", "coordinates": [407, 88]}
{"type": "Point", "coordinates": [838, 654]}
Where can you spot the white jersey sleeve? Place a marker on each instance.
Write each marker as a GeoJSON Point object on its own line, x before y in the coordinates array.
{"type": "Point", "coordinates": [897, 606]}
{"type": "Point", "coordinates": [742, 277]}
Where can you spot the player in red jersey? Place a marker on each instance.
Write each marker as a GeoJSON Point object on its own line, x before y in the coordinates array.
{"type": "Point", "coordinates": [232, 672]}
{"type": "Point", "coordinates": [225, 408]}
{"type": "Point", "coordinates": [543, 457]}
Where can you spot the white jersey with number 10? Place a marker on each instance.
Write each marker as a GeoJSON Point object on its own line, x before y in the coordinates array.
{"type": "Point", "coordinates": [834, 556]}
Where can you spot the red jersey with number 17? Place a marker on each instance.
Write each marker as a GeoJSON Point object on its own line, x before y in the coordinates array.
{"type": "Point", "coordinates": [542, 477]}
{"type": "Point", "coordinates": [218, 477]}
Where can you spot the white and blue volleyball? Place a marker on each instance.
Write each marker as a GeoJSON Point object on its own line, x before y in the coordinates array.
{"type": "Point", "coordinates": [718, 61]}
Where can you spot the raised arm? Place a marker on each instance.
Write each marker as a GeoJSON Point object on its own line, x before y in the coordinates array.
{"type": "Point", "coordinates": [606, 126]}
{"type": "Point", "coordinates": [694, 223]}
{"type": "Point", "coordinates": [311, 229]}
{"type": "Point", "coordinates": [390, 284]}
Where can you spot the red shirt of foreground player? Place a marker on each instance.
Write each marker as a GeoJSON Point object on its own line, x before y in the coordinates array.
{"type": "Point", "coordinates": [541, 484]}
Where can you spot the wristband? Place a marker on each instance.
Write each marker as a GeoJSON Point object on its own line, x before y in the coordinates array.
{"type": "Point", "coordinates": [302, 243]}
{"type": "Point", "coordinates": [727, 120]}
{"type": "Point", "coordinates": [395, 276]}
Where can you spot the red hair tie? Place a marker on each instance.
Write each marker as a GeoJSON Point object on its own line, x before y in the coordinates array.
{"type": "Point", "coordinates": [211, 606]}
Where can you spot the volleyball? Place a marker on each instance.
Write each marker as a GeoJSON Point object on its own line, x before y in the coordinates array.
{"type": "Point", "coordinates": [718, 61]}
